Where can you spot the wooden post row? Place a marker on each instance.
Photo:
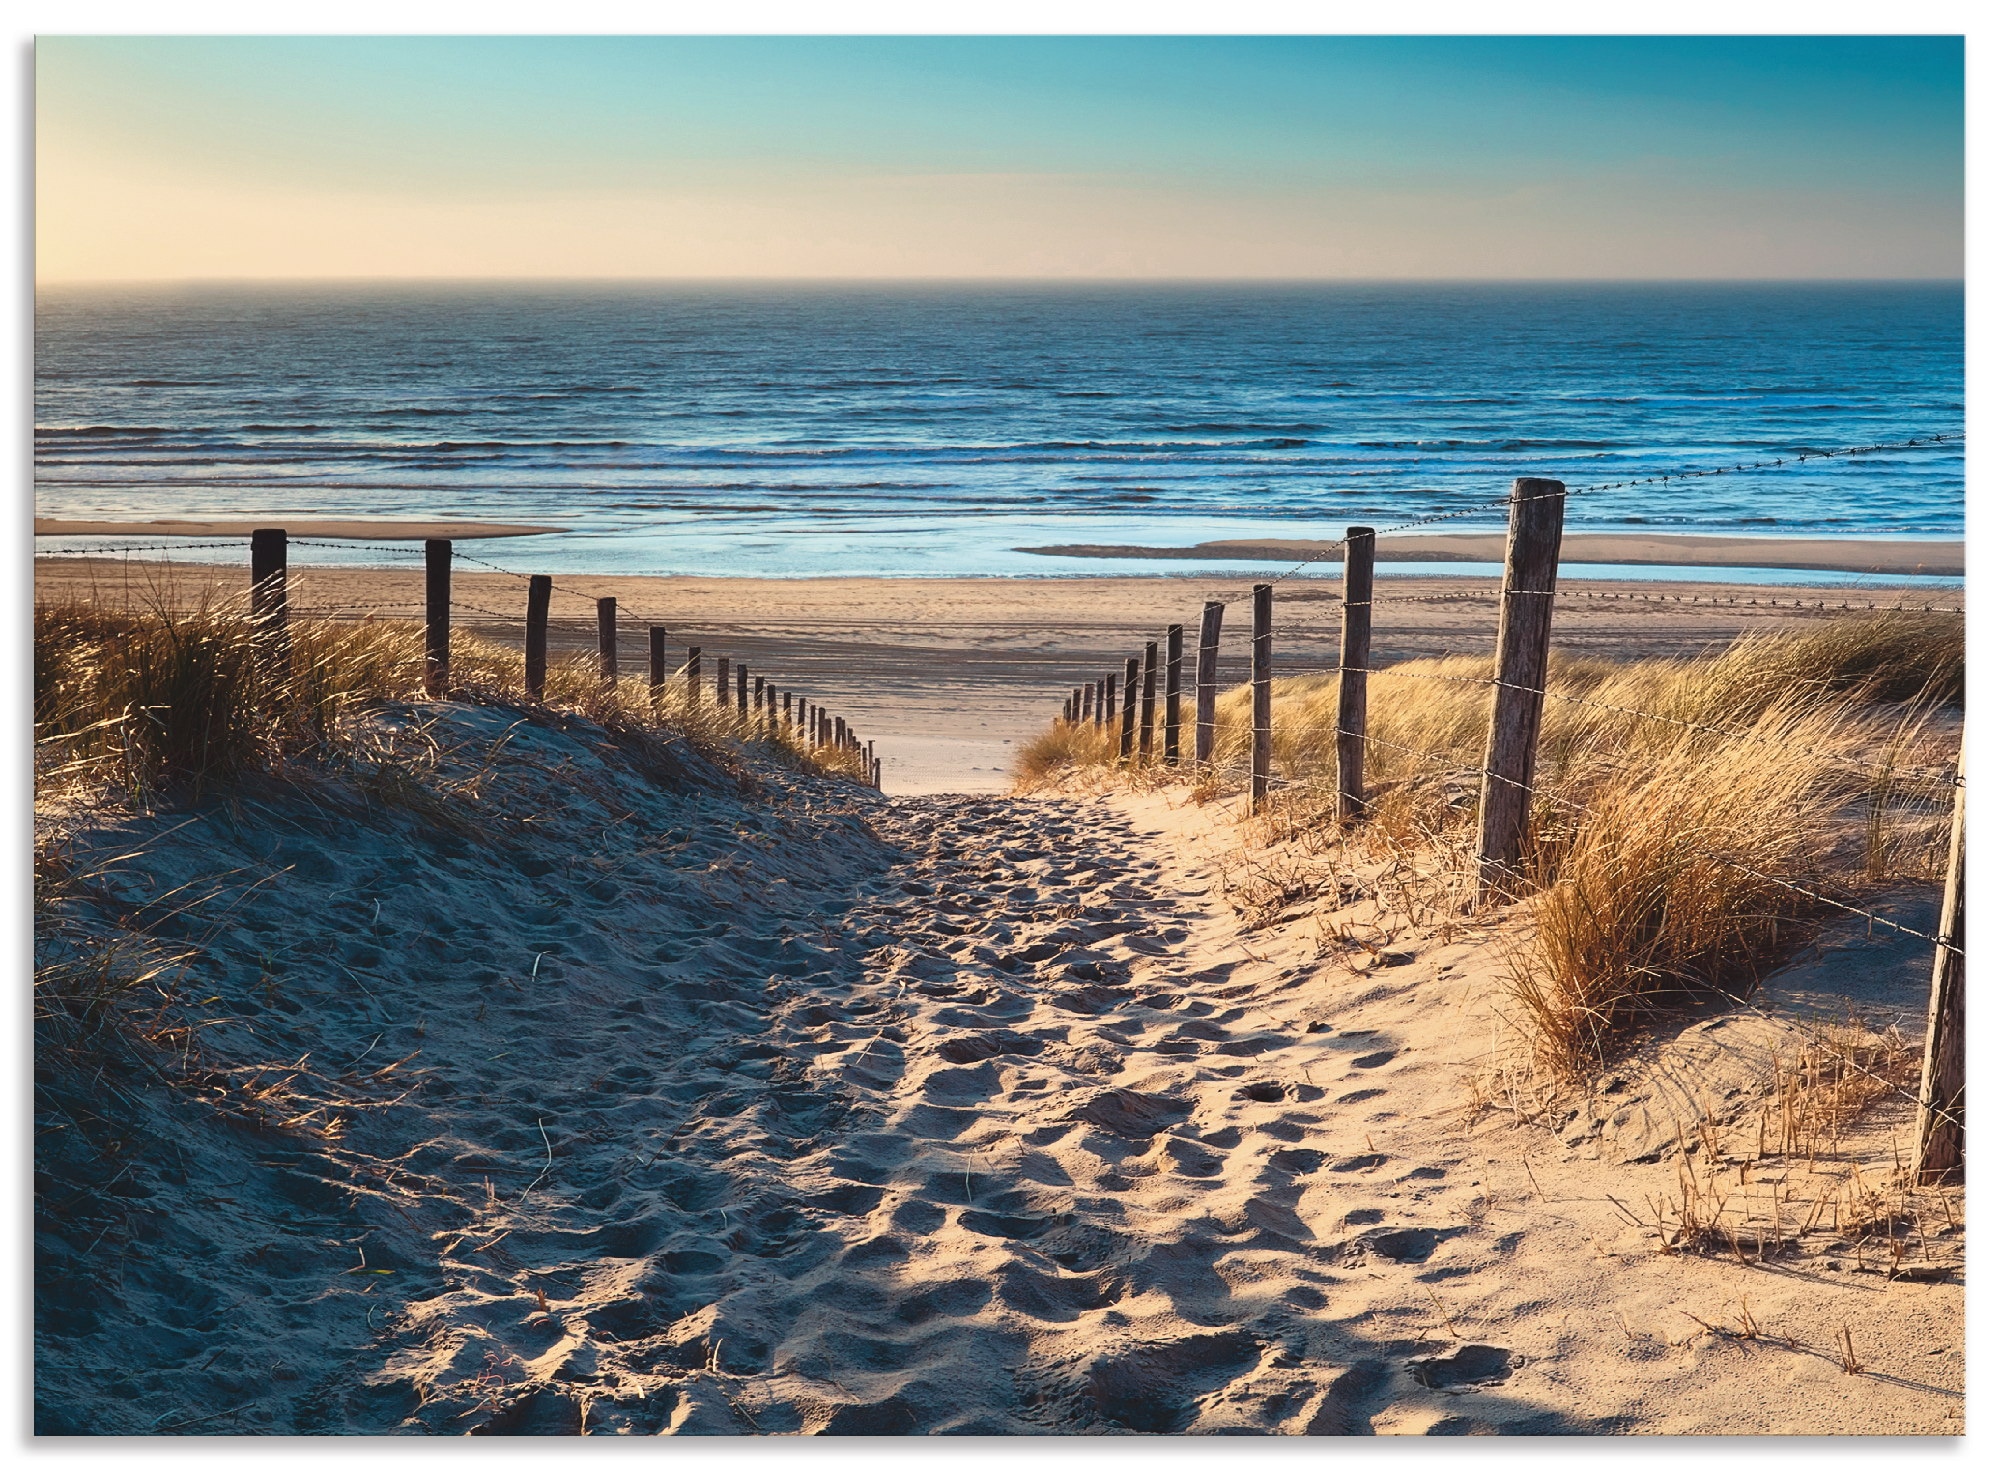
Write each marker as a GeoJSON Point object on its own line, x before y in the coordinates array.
{"type": "Point", "coordinates": [1520, 668]}
{"type": "Point", "coordinates": [1204, 682]}
{"type": "Point", "coordinates": [1146, 702]}
{"type": "Point", "coordinates": [607, 640]}
{"type": "Point", "coordinates": [437, 616]}
{"type": "Point", "coordinates": [1941, 1094]}
{"type": "Point", "coordinates": [1173, 729]}
{"type": "Point", "coordinates": [1260, 694]}
{"type": "Point", "coordinates": [1356, 626]}
{"type": "Point", "coordinates": [535, 641]}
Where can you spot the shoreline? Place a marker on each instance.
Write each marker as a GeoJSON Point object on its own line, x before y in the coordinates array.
{"type": "Point", "coordinates": [348, 529]}
{"type": "Point", "coordinates": [1940, 558]}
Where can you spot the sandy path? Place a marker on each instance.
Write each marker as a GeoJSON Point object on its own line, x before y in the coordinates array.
{"type": "Point", "coordinates": [948, 676]}
{"type": "Point", "coordinates": [819, 1112]}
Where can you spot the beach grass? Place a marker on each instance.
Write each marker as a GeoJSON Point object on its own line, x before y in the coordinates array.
{"type": "Point", "coordinates": [1686, 811]}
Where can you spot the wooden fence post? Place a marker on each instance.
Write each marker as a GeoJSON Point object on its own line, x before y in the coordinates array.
{"type": "Point", "coordinates": [1356, 625]}
{"type": "Point", "coordinates": [535, 643]}
{"type": "Point", "coordinates": [1260, 694]}
{"type": "Point", "coordinates": [1173, 731]}
{"type": "Point", "coordinates": [878, 773]}
{"type": "Point", "coordinates": [656, 665]}
{"type": "Point", "coordinates": [1131, 711]}
{"type": "Point", "coordinates": [722, 680]}
{"type": "Point", "coordinates": [743, 691]}
{"type": "Point", "coordinates": [607, 640]}
{"type": "Point", "coordinates": [1204, 682]}
{"type": "Point", "coordinates": [694, 677]}
{"type": "Point", "coordinates": [1520, 668]}
{"type": "Point", "coordinates": [757, 699]}
{"type": "Point", "coordinates": [437, 616]}
{"type": "Point", "coordinates": [1146, 701]}
{"type": "Point", "coordinates": [270, 610]}
{"type": "Point", "coordinates": [1941, 1095]}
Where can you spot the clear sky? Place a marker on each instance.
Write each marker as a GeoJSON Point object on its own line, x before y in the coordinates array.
{"type": "Point", "coordinates": [1774, 157]}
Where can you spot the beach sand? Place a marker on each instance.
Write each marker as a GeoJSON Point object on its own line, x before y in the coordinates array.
{"type": "Point", "coordinates": [664, 1107]}
{"type": "Point", "coordinates": [948, 675]}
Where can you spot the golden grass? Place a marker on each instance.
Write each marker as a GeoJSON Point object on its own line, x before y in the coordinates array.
{"type": "Point", "coordinates": [170, 700]}
{"type": "Point", "coordinates": [1681, 804]}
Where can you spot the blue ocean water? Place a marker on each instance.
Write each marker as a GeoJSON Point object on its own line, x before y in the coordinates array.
{"type": "Point", "coordinates": [803, 430]}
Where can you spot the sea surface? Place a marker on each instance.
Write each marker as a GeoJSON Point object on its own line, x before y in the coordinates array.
{"type": "Point", "coordinates": [789, 430]}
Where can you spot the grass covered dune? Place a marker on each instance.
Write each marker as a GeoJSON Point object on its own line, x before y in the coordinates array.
{"type": "Point", "coordinates": [1681, 804]}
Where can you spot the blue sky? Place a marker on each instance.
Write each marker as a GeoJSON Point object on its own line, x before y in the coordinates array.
{"type": "Point", "coordinates": [1012, 156]}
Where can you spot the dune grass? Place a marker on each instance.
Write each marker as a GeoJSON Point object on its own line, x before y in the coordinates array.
{"type": "Point", "coordinates": [168, 701]}
{"type": "Point", "coordinates": [1681, 804]}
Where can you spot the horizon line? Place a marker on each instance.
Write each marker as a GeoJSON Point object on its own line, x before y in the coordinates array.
{"type": "Point", "coordinates": [998, 280]}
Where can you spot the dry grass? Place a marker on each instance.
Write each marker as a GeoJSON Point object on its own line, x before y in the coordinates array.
{"type": "Point", "coordinates": [1681, 804]}
{"type": "Point", "coordinates": [171, 700]}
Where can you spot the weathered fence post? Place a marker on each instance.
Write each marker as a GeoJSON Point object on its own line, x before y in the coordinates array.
{"type": "Point", "coordinates": [1131, 711]}
{"type": "Point", "coordinates": [270, 610]}
{"type": "Point", "coordinates": [656, 666]}
{"type": "Point", "coordinates": [743, 691]}
{"type": "Point", "coordinates": [1941, 1095]}
{"type": "Point", "coordinates": [878, 773]}
{"type": "Point", "coordinates": [840, 732]}
{"type": "Point", "coordinates": [1356, 625]}
{"type": "Point", "coordinates": [535, 642]}
{"type": "Point", "coordinates": [1146, 700]}
{"type": "Point", "coordinates": [1173, 732]}
{"type": "Point", "coordinates": [1520, 668]}
{"type": "Point", "coordinates": [1204, 682]}
{"type": "Point", "coordinates": [607, 641]}
{"type": "Point", "coordinates": [437, 616]}
{"type": "Point", "coordinates": [757, 701]}
{"type": "Point", "coordinates": [722, 680]}
{"type": "Point", "coordinates": [694, 677]}
{"type": "Point", "coordinates": [1260, 694]}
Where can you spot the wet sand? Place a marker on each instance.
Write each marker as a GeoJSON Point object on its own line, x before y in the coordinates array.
{"type": "Point", "coordinates": [1939, 558]}
{"type": "Point", "coordinates": [947, 676]}
{"type": "Point", "coordinates": [348, 530]}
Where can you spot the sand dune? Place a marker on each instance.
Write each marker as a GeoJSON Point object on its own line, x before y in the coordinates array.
{"type": "Point", "coordinates": [664, 1105]}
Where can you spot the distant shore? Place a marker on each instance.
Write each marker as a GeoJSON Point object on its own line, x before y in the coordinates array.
{"type": "Point", "coordinates": [347, 530]}
{"type": "Point", "coordinates": [1943, 558]}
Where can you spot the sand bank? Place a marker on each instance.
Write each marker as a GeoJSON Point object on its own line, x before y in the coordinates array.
{"type": "Point", "coordinates": [346, 530]}
{"type": "Point", "coordinates": [1943, 558]}
{"type": "Point", "coordinates": [948, 675]}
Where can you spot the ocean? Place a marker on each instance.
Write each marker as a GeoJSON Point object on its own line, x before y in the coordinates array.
{"type": "Point", "coordinates": [910, 430]}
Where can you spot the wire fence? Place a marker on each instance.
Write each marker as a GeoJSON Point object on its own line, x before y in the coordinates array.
{"type": "Point", "coordinates": [1509, 793]}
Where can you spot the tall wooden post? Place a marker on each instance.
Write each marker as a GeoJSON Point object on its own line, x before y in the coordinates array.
{"type": "Point", "coordinates": [1260, 694]}
{"type": "Point", "coordinates": [1520, 668]}
{"type": "Point", "coordinates": [1146, 699]}
{"type": "Point", "coordinates": [1356, 626]}
{"type": "Point", "coordinates": [1941, 1095]}
{"type": "Point", "coordinates": [656, 666]}
{"type": "Point", "coordinates": [1206, 653]}
{"type": "Point", "coordinates": [757, 702]}
{"type": "Point", "coordinates": [1173, 731]}
{"type": "Point", "coordinates": [840, 732]}
{"type": "Point", "coordinates": [1131, 712]}
{"type": "Point", "coordinates": [694, 677]}
{"type": "Point", "coordinates": [535, 641]}
{"type": "Point", "coordinates": [722, 680]}
{"type": "Point", "coordinates": [270, 610]}
{"type": "Point", "coordinates": [878, 773]}
{"type": "Point", "coordinates": [743, 691]}
{"type": "Point", "coordinates": [437, 616]}
{"type": "Point", "coordinates": [607, 640]}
